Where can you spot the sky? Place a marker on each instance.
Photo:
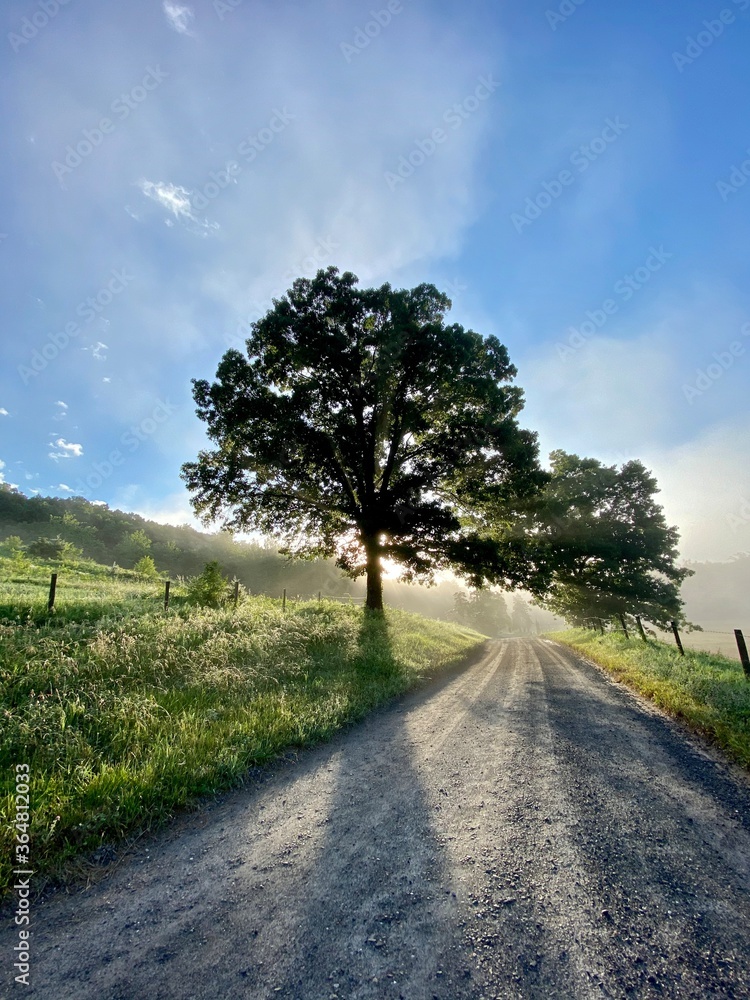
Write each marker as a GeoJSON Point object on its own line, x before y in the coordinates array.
{"type": "Point", "coordinates": [574, 175]}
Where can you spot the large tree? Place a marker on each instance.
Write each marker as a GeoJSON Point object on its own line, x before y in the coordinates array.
{"type": "Point", "coordinates": [361, 425]}
{"type": "Point", "coordinates": [600, 545]}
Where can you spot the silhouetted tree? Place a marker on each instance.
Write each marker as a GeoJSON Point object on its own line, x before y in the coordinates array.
{"type": "Point", "coordinates": [361, 425]}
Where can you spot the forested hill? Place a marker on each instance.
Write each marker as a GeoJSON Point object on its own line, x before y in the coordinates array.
{"type": "Point", "coordinates": [112, 536]}
{"type": "Point", "coordinates": [107, 536]}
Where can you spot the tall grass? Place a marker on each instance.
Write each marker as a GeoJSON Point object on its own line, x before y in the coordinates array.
{"type": "Point", "coordinates": [706, 690]}
{"type": "Point", "coordinates": [125, 716]}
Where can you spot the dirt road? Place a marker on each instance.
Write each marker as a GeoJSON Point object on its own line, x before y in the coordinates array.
{"type": "Point", "coordinates": [521, 828]}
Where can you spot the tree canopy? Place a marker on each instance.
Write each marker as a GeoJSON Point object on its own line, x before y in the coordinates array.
{"type": "Point", "coordinates": [361, 425]}
{"type": "Point", "coordinates": [601, 546]}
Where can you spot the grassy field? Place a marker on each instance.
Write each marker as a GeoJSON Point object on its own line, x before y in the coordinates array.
{"type": "Point", "coordinates": [124, 713]}
{"type": "Point", "coordinates": [706, 690]}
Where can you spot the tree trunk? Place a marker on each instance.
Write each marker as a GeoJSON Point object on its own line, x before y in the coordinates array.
{"type": "Point", "coordinates": [374, 575]}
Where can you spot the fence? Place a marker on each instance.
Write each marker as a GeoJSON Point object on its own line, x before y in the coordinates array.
{"type": "Point", "coordinates": [732, 643]}
{"type": "Point", "coordinates": [346, 599]}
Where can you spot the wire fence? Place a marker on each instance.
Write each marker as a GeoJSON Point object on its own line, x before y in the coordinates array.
{"type": "Point", "coordinates": [729, 642]}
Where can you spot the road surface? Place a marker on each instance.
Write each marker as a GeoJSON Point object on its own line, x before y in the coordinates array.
{"type": "Point", "coordinates": [522, 827]}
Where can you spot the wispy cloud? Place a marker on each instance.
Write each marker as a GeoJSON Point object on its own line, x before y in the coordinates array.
{"type": "Point", "coordinates": [64, 488]}
{"type": "Point", "coordinates": [3, 412]}
{"type": "Point", "coordinates": [171, 196]}
{"type": "Point", "coordinates": [65, 449]}
{"type": "Point", "coordinates": [176, 199]}
{"type": "Point", "coordinates": [179, 17]}
{"type": "Point", "coordinates": [97, 351]}
{"type": "Point", "coordinates": [62, 410]}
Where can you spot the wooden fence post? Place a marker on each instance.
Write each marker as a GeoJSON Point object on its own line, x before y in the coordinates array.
{"type": "Point", "coordinates": [677, 638]}
{"type": "Point", "coordinates": [283, 600]}
{"type": "Point", "coordinates": [52, 591]}
{"type": "Point", "coordinates": [236, 592]}
{"type": "Point", "coordinates": [166, 594]}
{"type": "Point", "coordinates": [624, 626]}
{"type": "Point", "coordinates": [601, 626]}
{"type": "Point", "coordinates": [318, 597]}
{"type": "Point", "coordinates": [640, 626]}
{"type": "Point", "coordinates": [743, 652]}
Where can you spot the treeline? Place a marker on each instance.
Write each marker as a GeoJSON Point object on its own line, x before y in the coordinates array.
{"type": "Point", "coordinates": [93, 531]}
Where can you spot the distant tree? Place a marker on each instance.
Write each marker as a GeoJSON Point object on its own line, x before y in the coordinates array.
{"type": "Point", "coordinates": [13, 545]}
{"type": "Point", "coordinates": [483, 610]}
{"type": "Point", "coordinates": [521, 618]}
{"type": "Point", "coordinates": [210, 587]}
{"type": "Point", "coordinates": [601, 540]}
{"type": "Point", "coordinates": [53, 548]}
{"type": "Point", "coordinates": [15, 549]}
{"type": "Point", "coordinates": [146, 568]}
{"type": "Point", "coordinates": [136, 545]}
{"type": "Point", "coordinates": [362, 426]}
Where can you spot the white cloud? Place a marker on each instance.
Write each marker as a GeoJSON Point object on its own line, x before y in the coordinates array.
{"type": "Point", "coordinates": [66, 450]}
{"type": "Point", "coordinates": [179, 17]}
{"type": "Point", "coordinates": [62, 410]}
{"type": "Point", "coordinates": [176, 199]}
{"type": "Point", "coordinates": [3, 412]}
{"type": "Point", "coordinates": [170, 196]}
{"type": "Point", "coordinates": [64, 488]}
{"type": "Point", "coordinates": [97, 351]}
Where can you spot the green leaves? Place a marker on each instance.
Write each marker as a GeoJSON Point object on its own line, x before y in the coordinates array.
{"type": "Point", "coordinates": [360, 420]}
{"type": "Point", "coordinates": [602, 540]}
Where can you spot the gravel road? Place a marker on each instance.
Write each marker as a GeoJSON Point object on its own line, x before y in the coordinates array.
{"type": "Point", "coordinates": [522, 827]}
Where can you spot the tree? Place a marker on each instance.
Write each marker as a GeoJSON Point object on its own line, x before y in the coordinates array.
{"type": "Point", "coordinates": [146, 568]}
{"type": "Point", "coordinates": [209, 587]}
{"type": "Point", "coordinates": [482, 610]}
{"type": "Point", "coordinates": [522, 622]}
{"type": "Point", "coordinates": [600, 540]}
{"type": "Point", "coordinates": [362, 426]}
{"type": "Point", "coordinates": [132, 548]}
{"type": "Point", "coordinates": [53, 548]}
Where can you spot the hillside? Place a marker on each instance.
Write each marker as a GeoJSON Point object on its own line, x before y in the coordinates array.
{"type": "Point", "coordinates": [113, 536]}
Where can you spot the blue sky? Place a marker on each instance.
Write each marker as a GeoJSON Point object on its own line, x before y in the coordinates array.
{"type": "Point", "coordinates": [575, 176]}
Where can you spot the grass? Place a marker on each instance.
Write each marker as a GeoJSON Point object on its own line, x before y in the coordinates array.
{"type": "Point", "coordinates": [86, 591]}
{"type": "Point", "coordinates": [124, 715]}
{"type": "Point", "coordinates": [706, 690]}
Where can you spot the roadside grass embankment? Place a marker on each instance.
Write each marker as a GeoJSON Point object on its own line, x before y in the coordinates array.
{"type": "Point", "coordinates": [707, 691]}
{"type": "Point", "coordinates": [126, 718]}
